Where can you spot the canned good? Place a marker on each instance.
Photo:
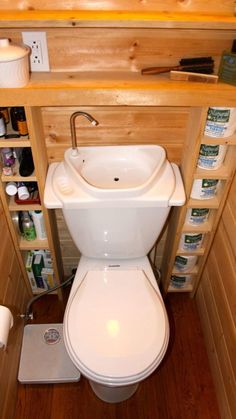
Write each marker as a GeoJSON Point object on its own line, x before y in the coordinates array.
{"type": "Point", "coordinates": [211, 156]}
{"type": "Point", "coordinates": [179, 281]}
{"type": "Point", "coordinates": [221, 122]}
{"type": "Point", "coordinates": [204, 188]}
{"type": "Point", "coordinates": [191, 241]}
{"type": "Point", "coordinates": [197, 216]}
{"type": "Point", "coordinates": [185, 263]}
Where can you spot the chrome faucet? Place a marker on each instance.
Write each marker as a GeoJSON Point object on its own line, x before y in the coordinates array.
{"type": "Point", "coordinates": [73, 131]}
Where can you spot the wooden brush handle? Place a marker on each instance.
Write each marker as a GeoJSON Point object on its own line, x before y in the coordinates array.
{"type": "Point", "coordinates": [159, 70]}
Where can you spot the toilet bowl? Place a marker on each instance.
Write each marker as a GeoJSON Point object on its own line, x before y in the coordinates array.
{"type": "Point", "coordinates": [116, 328]}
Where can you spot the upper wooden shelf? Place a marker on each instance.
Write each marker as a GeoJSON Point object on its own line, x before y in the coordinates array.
{"type": "Point", "coordinates": [83, 18]}
{"type": "Point", "coordinates": [115, 89]}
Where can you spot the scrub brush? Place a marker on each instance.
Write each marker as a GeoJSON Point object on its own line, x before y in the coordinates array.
{"type": "Point", "coordinates": [203, 65]}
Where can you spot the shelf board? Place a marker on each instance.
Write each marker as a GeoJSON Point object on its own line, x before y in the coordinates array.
{"type": "Point", "coordinates": [204, 203]}
{"type": "Point", "coordinates": [197, 252]}
{"type": "Point", "coordinates": [32, 244]}
{"type": "Point", "coordinates": [186, 288]}
{"type": "Point", "coordinates": [114, 18]}
{"type": "Point", "coordinates": [222, 140]}
{"type": "Point", "coordinates": [193, 271]}
{"type": "Point", "coordinates": [198, 228]}
{"type": "Point", "coordinates": [15, 142]}
{"type": "Point", "coordinates": [115, 89]}
{"type": "Point", "coordinates": [222, 172]}
{"type": "Point", "coordinates": [13, 206]}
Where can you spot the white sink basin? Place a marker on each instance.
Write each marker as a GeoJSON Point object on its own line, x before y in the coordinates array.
{"type": "Point", "coordinates": [115, 167]}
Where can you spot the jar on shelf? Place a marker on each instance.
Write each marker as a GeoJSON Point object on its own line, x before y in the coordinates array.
{"type": "Point", "coordinates": [180, 281]}
{"type": "Point", "coordinates": [185, 263]}
{"type": "Point", "coordinates": [2, 126]}
{"type": "Point", "coordinates": [221, 122]}
{"type": "Point", "coordinates": [196, 216]}
{"type": "Point", "coordinates": [204, 188]}
{"type": "Point", "coordinates": [191, 241]}
{"type": "Point", "coordinates": [211, 156]}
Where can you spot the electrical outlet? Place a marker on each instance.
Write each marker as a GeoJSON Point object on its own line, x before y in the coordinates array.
{"type": "Point", "coordinates": [37, 42]}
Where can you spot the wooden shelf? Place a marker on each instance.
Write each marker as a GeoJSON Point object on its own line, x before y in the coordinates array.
{"type": "Point", "coordinates": [222, 140]}
{"type": "Point", "coordinates": [15, 142]}
{"type": "Point", "coordinates": [32, 244]}
{"type": "Point", "coordinates": [197, 252]}
{"type": "Point", "coordinates": [13, 206]}
{"type": "Point", "coordinates": [186, 288]}
{"type": "Point", "coordinates": [115, 89]}
{"type": "Point", "coordinates": [222, 172]}
{"type": "Point", "coordinates": [115, 19]}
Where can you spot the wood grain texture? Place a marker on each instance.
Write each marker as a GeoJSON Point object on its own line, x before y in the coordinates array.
{"type": "Point", "coordinates": [216, 298]}
{"type": "Point", "coordinates": [180, 388]}
{"type": "Point", "coordinates": [197, 6]}
{"type": "Point", "coordinates": [13, 294]}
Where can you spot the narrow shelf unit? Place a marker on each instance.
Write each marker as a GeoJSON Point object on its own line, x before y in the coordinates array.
{"type": "Point", "coordinates": [178, 224]}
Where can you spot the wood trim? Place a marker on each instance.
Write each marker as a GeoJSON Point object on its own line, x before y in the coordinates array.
{"type": "Point", "coordinates": [119, 19]}
{"type": "Point", "coordinates": [115, 89]}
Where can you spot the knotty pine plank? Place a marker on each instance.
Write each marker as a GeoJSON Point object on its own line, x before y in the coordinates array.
{"type": "Point", "coordinates": [180, 388]}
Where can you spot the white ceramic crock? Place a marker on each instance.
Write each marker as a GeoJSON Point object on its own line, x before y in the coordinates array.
{"type": "Point", "coordinates": [14, 64]}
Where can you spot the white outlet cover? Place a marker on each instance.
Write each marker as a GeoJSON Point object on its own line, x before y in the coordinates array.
{"type": "Point", "coordinates": [41, 63]}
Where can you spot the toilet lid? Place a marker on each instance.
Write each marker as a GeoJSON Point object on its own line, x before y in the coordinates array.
{"type": "Point", "coordinates": [115, 324]}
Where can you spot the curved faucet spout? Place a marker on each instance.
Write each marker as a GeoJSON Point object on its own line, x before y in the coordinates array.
{"type": "Point", "coordinates": [73, 131]}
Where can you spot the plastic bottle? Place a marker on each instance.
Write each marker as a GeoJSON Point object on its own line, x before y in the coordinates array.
{"type": "Point", "coordinates": [22, 190]}
{"type": "Point", "coordinates": [11, 188]}
{"type": "Point", "coordinates": [2, 126]}
{"type": "Point", "coordinates": [39, 224]}
{"type": "Point", "coordinates": [28, 228]}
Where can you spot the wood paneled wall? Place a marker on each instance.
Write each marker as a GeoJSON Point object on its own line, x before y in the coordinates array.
{"type": "Point", "coordinates": [13, 294]}
{"type": "Point", "coordinates": [216, 298]}
{"type": "Point", "coordinates": [121, 125]}
{"type": "Point", "coordinates": [184, 6]}
{"type": "Point", "coordinates": [127, 49]}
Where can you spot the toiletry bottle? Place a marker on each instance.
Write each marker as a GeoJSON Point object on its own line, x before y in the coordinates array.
{"type": "Point", "coordinates": [27, 226]}
{"type": "Point", "coordinates": [5, 114]}
{"type": "Point", "coordinates": [2, 126]}
{"type": "Point", "coordinates": [227, 70]}
{"type": "Point", "coordinates": [11, 188]}
{"type": "Point", "coordinates": [22, 190]}
{"type": "Point", "coordinates": [39, 224]}
{"type": "Point", "coordinates": [21, 122]}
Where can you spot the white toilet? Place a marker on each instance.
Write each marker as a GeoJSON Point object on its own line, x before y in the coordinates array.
{"type": "Point", "coordinates": [116, 328]}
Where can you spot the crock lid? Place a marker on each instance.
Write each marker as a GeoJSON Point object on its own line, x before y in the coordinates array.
{"type": "Point", "coordinates": [115, 324]}
{"type": "Point", "coordinates": [11, 52]}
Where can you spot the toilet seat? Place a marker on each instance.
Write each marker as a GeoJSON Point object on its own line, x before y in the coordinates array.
{"type": "Point", "coordinates": [115, 326]}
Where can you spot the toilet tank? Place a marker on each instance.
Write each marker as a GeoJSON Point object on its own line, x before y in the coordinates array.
{"type": "Point", "coordinates": [115, 232]}
{"type": "Point", "coordinates": [112, 221]}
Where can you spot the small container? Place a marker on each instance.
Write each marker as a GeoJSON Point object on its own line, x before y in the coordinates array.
{"type": "Point", "coordinates": [197, 216]}
{"type": "Point", "coordinates": [179, 281]}
{"type": "Point", "coordinates": [5, 114]}
{"type": "Point", "coordinates": [227, 69]}
{"type": "Point", "coordinates": [11, 188]}
{"type": "Point", "coordinates": [211, 156]}
{"type": "Point", "coordinates": [221, 122]}
{"type": "Point", "coordinates": [14, 64]}
{"type": "Point", "coordinates": [27, 226]}
{"type": "Point", "coordinates": [2, 126]}
{"type": "Point", "coordinates": [21, 122]}
{"type": "Point", "coordinates": [8, 158]}
{"type": "Point", "coordinates": [22, 190]}
{"type": "Point", "coordinates": [204, 188]}
{"type": "Point", "coordinates": [191, 241]}
{"type": "Point", "coordinates": [185, 263]}
{"type": "Point", "coordinates": [39, 224]}
{"type": "Point", "coordinates": [13, 114]}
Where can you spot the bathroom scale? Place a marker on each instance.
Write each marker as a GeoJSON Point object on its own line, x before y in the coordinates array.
{"type": "Point", "coordinates": [44, 358]}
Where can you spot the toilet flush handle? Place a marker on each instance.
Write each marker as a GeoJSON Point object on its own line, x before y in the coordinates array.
{"type": "Point", "coordinates": [73, 131]}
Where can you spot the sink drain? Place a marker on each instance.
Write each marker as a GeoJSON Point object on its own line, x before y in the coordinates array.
{"type": "Point", "coordinates": [116, 179]}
